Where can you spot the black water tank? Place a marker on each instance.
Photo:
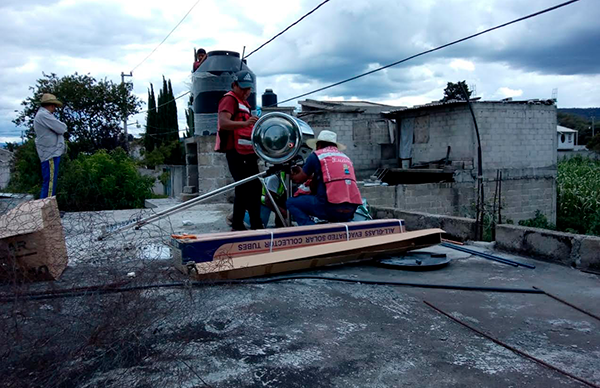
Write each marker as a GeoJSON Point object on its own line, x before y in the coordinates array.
{"type": "Point", "coordinates": [213, 79]}
{"type": "Point", "coordinates": [269, 99]}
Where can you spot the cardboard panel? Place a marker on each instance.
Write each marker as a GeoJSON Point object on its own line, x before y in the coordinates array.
{"type": "Point", "coordinates": [314, 256]}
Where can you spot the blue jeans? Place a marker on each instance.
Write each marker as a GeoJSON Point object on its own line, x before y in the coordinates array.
{"type": "Point", "coordinates": [303, 206]}
{"type": "Point", "coordinates": [49, 177]}
{"type": "Point", "coordinates": [265, 214]}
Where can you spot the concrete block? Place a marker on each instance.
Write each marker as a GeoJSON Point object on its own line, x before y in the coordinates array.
{"type": "Point", "coordinates": [455, 227]}
{"type": "Point", "coordinates": [589, 253]}
{"type": "Point", "coordinates": [210, 172]}
{"type": "Point", "coordinates": [189, 189]}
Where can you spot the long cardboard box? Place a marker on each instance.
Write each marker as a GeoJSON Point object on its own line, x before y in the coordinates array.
{"type": "Point", "coordinates": [313, 256]}
{"type": "Point", "coordinates": [208, 247]}
{"type": "Point", "coordinates": [32, 242]}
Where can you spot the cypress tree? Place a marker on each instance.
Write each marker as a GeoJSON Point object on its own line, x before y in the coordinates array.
{"type": "Point", "coordinates": [173, 113]}
{"type": "Point", "coordinates": [150, 141]}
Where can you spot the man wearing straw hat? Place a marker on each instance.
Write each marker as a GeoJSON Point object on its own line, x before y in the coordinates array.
{"type": "Point", "coordinates": [49, 142]}
{"type": "Point", "coordinates": [337, 195]}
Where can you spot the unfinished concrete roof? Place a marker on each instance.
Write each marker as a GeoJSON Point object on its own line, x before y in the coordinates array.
{"type": "Point", "coordinates": [296, 333]}
{"type": "Point", "coordinates": [435, 104]}
{"type": "Point", "coordinates": [345, 106]}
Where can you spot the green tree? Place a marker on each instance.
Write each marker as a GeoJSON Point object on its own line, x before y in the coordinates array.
{"type": "Point", "coordinates": [454, 91]}
{"type": "Point", "coordinates": [93, 110]}
{"type": "Point", "coordinates": [150, 140]}
{"type": "Point", "coordinates": [162, 141]}
{"type": "Point", "coordinates": [594, 143]}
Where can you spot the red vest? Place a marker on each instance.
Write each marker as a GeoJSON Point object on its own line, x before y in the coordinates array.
{"type": "Point", "coordinates": [240, 139]}
{"type": "Point", "coordinates": [338, 176]}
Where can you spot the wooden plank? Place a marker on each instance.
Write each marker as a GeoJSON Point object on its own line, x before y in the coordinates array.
{"type": "Point", "coordinates": [314, 256]}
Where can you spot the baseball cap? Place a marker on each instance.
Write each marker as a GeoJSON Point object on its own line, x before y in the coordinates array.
{"type": "Point", "coordinates": [245, 79]}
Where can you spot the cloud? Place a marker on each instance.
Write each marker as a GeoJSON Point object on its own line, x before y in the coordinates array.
{"type": "Point", "coordinates": [338, 41]}
{"type": "Point", "coordinates": [508, 92]}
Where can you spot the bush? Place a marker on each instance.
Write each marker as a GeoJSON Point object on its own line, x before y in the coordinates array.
{"type": "Point", "coordinates": [578, 197]}
{"type": "Point", "coordinates": [26, 174]}
{"type": "Point", "coordinates": [539, 221]}
{"type": "Point", "coordinates": [594, 143]}
{"type": "Point", "coordinates": [103, 181]}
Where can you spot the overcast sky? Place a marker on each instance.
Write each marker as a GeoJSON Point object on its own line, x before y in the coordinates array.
{"type": "Point", "coordinates": [557, 50]}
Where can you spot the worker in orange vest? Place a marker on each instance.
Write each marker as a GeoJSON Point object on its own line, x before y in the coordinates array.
{"type": "Point", "coordinates": [234, 129]}
{"type": "Point", "coordinates": [337, 195]}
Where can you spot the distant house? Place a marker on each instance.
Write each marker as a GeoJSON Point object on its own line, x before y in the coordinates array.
{"type": "Point", "coordinates": [566, 138]}
{"type": "Point", "coordinates": [6, 158]}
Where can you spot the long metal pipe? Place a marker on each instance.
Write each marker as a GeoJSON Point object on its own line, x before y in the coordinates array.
{"type": "Point", "coordinates": [488, 256]}
{"type": "Point", "coordinates": [183, 206]}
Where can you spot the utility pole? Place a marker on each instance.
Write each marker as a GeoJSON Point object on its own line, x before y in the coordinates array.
{"type": "Point", "coordinates": [593, 129]}
{"type": "Point", "coordinates": [123, 75]}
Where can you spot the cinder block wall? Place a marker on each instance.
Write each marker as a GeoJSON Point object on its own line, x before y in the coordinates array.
{"type": "Point", "coordinates": [518, 139]}
{"type": "Point", "coordinates": [520, 198]}
{"type": "Point", "coordinates": [437, 128]}
{"type": "Point", "coordinates": [517, 136]}
{"type": "Point", "coordinates": [450, 199]}
{"type": "Point", "coordinates": [213, 172]}
{"type": "Point", "coordinates": [362, 133]}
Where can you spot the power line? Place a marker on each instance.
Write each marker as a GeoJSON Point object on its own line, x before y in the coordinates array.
{"type": "Point", "coordinates": [166, 103]}
{"type": "Point", "coordinates": [166, 37]}
{"type": "Point", "coordinates": [290, 26]}
{"type": "Point", "coordinates": [434, 49]}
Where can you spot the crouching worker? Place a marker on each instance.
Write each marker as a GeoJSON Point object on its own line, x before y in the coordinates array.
{"type": "Point", "coordinates": [337, 195]}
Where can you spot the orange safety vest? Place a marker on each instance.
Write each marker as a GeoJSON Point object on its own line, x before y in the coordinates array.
{"type": "Point", "coordinates": [241, 139]}
{"type": "Point", "coordinates": [338, 176]}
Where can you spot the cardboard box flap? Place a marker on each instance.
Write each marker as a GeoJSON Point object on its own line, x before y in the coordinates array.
{"type": "Point", "coordinates": [28, 217]}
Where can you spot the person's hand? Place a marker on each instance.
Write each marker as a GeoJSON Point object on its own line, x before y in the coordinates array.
{"type": "Point", "coordinates": [251, 120]}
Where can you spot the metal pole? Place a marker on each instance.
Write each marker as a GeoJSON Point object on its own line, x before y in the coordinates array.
{"type": "Point", "coordinates": [275, 206]}
{"type": "Point", "coordinates": [183, 206]}
{"type": "Point", "coordinates": [123, 75]}
{"type": "Point", "coordinates": [480, 193]}
{"type": "Point", "coordinates": [593, 125]}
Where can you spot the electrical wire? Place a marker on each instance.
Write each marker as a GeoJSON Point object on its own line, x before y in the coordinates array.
{"type": "Point", "coordinates": [432, 50]}
{"type": "Point", "coordinates": [287, 28]}
{"type": "Point", "coordinates": [166, 37]}
{"type": "Point", "coordinates": [166, 103]}
{"type": "Point", "coordinates": [114, 288]}
{"type": "Point", "coordinates": [511, 348]}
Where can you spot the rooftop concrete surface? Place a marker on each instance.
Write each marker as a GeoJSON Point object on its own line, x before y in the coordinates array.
{"type": "Point", "coordinates": [323, 333]}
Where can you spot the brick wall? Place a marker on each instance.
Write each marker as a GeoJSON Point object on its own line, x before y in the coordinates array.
{"type": "Point", "coordinates": [213, 172]}
{"type": "Point", "coordinates": [436, 129]}
{"type": "Point", "coordinates": [517, 135]}
{"type": "Point", "coordinates": [521, 197]}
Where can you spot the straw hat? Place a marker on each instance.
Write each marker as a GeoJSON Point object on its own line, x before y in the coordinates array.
{"type": "Point", "coordinates": [327, 136]}
{"type": "Point", "coordinates": [48, 98]}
